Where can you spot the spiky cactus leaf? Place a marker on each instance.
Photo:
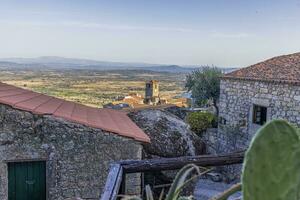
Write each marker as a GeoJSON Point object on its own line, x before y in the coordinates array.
{"type": "Point", "coordinates": [186, 198]}
{"type": "Point", "coordinates": [272, 164]}
{"type": "Point", "coordinates": [131, 198]}
{"type": "Point", "coordinates": [227, 193]}
{"type": "Point", "coordinates": [149, 194]}
{"type": "Point", "coordinates": [179, 181]}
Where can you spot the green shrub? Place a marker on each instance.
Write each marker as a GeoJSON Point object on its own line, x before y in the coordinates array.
{"type": "Point", "coordinates": [200, 121]}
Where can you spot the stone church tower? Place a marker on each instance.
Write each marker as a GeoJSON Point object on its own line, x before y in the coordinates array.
{"type": "Point", "coordinates": [152, 92]}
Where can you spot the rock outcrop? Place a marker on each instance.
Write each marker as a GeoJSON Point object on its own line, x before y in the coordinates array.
{"type": "Point", "coordinates": [179, 112]}
{"type": "Point", "coordinates": [170, 136]}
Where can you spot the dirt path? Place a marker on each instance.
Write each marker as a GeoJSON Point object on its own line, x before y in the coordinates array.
{"type": "Point", "coordinates": [206, 189]}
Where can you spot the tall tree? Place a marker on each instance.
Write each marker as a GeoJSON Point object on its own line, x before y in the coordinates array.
{"type": "Point", "coordinates": [204, 84]}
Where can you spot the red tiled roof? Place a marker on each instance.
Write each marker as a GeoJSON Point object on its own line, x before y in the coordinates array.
{"type": "Point", "coordinates": [106, 119]}
{"type": "Point", "coordinates": [285, 69]}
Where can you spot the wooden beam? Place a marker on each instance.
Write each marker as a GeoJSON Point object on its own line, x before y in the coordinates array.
{"type": "Point", "coordinates": [118, 170]}
{"type": "Point", "coordinates": [134, 166]}
{"type": "Point", "coordinates": [112, 186]}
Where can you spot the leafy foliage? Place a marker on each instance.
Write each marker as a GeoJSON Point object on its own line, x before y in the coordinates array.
{"type": "Point", "coordinates": [204, 84]}
{"type": "Point", "coordinates": [226, 194]}
{"type": "Point", "coordinates": [200, 121]}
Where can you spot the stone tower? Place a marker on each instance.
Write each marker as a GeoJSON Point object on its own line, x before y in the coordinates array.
{"type": "Point", "coordinates": [152, 92]}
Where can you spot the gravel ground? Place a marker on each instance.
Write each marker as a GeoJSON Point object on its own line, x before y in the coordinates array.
{"type": "Point", "coordinates": [206, 189]}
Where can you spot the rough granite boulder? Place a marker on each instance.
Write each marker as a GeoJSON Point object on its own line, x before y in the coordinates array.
{"type": "Point", "coordinates": [170, 136]}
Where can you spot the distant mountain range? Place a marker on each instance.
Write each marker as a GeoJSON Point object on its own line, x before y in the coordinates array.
{"type": "Point", "coordinates": [54, 62]}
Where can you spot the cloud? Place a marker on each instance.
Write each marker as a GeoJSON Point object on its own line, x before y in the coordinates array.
{"type": "Point", "coordinates": [133, 28]}
{"type": "Point", "coordinates": [230, 35]}
{"type": "Point", "coordinates": [126, 27]}
{"type": "Point", "coordinates": [288, 19]}
{"type": "Point", "coordinates": [118, 27]}
{"type": "Point", "coordinates": [92, 25]}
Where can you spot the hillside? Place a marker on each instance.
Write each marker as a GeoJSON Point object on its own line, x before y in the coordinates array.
{"type": "Point", "coordinates": [54, 62]}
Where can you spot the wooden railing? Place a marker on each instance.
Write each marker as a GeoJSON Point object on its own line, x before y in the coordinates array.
{"type": "Point", "coordinates": [115, 181]}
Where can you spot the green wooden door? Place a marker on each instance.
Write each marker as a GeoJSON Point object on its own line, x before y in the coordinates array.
{"type": "Point", "coordinates": [27, 181]}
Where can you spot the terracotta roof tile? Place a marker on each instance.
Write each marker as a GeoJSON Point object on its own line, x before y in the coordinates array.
{"type": "Point", "coordinates": [49, 107]}
{"type": "Point", "coordinates": [284, 68]}
{"type": "Point", "coordinates": [80, 113]}
{"type": "Point", "coordinates": [106, 119]}
{"type": "Point", "coordinates": [5, 87]}
{"type": "Point", "coordinates": [33, 103]}
{"type": "Point", "coordinates": [11, 92]}
{"type": "Point", "coordinates": [18, 98]}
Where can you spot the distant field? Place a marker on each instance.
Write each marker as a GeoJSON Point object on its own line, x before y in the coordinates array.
{"type": "Point", "coordinates": [92, 87]}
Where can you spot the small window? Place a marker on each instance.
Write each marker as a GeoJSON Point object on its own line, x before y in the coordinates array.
{"type": "Point", "coordinates": [259, 115]}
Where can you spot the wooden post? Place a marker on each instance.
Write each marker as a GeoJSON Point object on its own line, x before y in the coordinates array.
{"type": "Point", "coordinates": [112, 186]}
{"type": "Point", "coordinates": [122, 190]}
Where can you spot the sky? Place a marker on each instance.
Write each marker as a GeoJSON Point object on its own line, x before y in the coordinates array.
{"type": "Point", "coordinates": [226, 33]}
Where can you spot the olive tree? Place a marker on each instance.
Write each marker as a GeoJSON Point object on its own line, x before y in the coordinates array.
{"type": "Point", "coordinates": [204, 84]}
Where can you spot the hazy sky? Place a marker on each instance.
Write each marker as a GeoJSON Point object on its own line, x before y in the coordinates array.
{"type": "Point", "coordinates": [220, 32]}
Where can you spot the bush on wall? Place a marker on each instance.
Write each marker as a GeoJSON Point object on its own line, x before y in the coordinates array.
{"type": "Point", "coordinates": [200, 121]}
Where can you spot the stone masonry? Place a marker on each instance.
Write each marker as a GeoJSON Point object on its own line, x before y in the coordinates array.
{"type": "Point", "coordinates": [77, 157]}
{"type": "Point", "coordinates": [252, 96]}
{"type": "Point", "coordinates": [237, 99]}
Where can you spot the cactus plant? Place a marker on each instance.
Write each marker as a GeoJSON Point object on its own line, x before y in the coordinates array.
{"type": "Point", "coordinates": [272, 164]}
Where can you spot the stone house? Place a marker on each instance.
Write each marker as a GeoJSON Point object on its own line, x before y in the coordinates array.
{"type": "Point", "coordinates": [55, 149]}
{"type": "Point", "coordinates": [253, 95]}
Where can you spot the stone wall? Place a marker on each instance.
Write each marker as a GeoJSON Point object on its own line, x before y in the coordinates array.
{"type": "Point", "coordinates": [226, 141]}
{"type": "Point", "coordinates": [77, 157]}
{"type": "Point", "coordinates": [237, 98]}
